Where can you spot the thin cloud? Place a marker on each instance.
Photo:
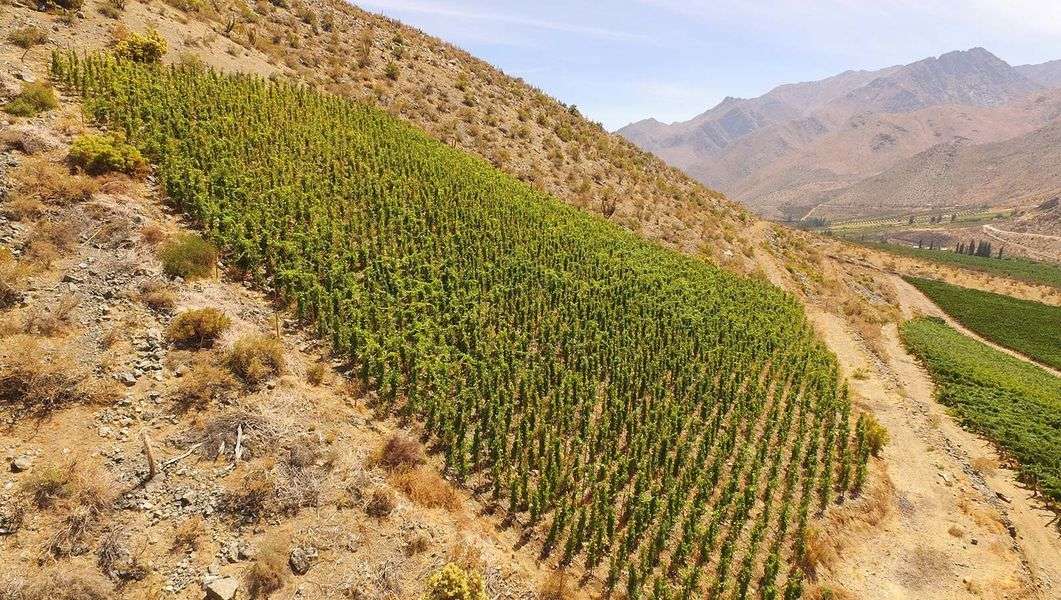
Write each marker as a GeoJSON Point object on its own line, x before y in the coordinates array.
{"type": "Point", "coordinates": [442, 10]}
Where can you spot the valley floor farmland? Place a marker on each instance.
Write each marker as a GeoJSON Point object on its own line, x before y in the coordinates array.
{"type": "Point", "coordinates": [626, 403]}
{"type": "Point", "coordinates": [1030, 328]}
{"type": "Point", "coordinates": [1015, 404]}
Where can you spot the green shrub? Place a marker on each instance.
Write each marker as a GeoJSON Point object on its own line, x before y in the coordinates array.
{"type": "Point", "coordinates": [256, 358]}
{"type": "Point", "coordinates": [197, 328]}
{"type": "Point", "coordinates": [35, 98]}
{"type": "Point", "coordinates": [103, 153]}
{"type": "Point", "coordinates": [876, 435]}
{"type": "Point", "coordinates": [452, 582]}
{"type": "Point", "coordinates": [188, 256]}
{"type": "Point", "coordinates": [27, 37]}
{"type": "Point", "coordinates": [391, 71]}
{"type": "Point", "coordinates": [149, 48]}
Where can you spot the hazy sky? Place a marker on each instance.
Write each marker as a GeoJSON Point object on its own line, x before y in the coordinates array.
{"type": "Point", "coordinates": [621, 61]}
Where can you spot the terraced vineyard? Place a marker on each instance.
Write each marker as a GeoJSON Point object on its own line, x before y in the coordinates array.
{"type": "Point", "coordinates": [1031, 328]}
{"type": "Point", "coordinates": [1006, 399]}
{"type": "Point", "coordinates": [668, 426]}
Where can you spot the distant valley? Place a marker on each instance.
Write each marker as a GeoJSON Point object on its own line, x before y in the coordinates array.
{"type": "Point", "coordinates": [958, 131]}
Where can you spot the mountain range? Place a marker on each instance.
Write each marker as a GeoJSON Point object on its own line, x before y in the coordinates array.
{"type": "Point", "coordinates": [867, 143]}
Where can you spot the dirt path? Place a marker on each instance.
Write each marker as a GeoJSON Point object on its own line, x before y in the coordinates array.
{"type": "Point", "coordinates": [914, 303]}
{"type": "Point", "coordinates": [949, 534]}
{"type": "Point", "coordinates": [1000, 235]}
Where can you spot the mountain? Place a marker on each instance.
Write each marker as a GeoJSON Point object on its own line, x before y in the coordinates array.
{"type": "Point", "coordinates": [960, 173]}
{"type": "Point", "coordinates": [801, 144]}
{"type": "Point", "coordinates": [1047, 74]}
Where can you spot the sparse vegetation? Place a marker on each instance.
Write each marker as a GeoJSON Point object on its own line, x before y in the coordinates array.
{"type": "Point", "coordinates": [34, 98]}
{"type": "Point", "coordinates": [425, 487]}
{"type": "Point", "coordinates": [256, 358]}
{"type": "Point", "coordinates": [27, 37]}
{"type": "Point", "coordinates": [158, 296]}
{"type": "Point", "coordinates": [381, 502]}
{"type": "Point", "coordinates": [1031, 328]}
{"type": "Point", "coordinates": [44, 181]}
{"type": "Point", "coordinates": [1005, 399]}
{"type": "Point", "coordinates": [97, 154]}
{"type": "Point", "coordinates": [197, 328]}
{"type": "Point", "coordinates": [399, 451]}
{"type": "Point", "coordinates": [188, 256]}
{"type": "Point", "coordinates": [204, 383]}
{"type": "Point", "coordinates": [267, 573]}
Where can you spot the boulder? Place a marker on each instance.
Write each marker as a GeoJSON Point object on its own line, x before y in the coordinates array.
{"type": "Point", "coordinates": [222, 589]}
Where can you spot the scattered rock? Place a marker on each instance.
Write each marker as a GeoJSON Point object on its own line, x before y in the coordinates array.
{"type": "Point", "coordinates": [302, 559]}
{"type": "Point", "coordinates": [21, 463]}
{"type": "Point", "coordinates": [222, 589]}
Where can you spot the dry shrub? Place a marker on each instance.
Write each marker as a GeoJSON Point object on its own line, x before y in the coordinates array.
{"type": "Point", "coordinates": [818, 551]}
{"type": "Point", "coordinates": [51, 183]}
{"type": "Point", "coordinates": [256, 358]}
{"type": "Point", "coordinates": [23, 209]}
{"type": "Point", "coordinates": [50, 322]}
{"type": "Point", "coordinates": [188, 534]}
{"type": "Point", "coordinates": [399, 451]}
{"type": "Point", "coordinates": [188, 256]}
{"type": "Point", "coordinates": [556, 587]}
{"type": "Point", "coordinates": [40, 379]}
{"type": "Point", "coordinates": [427, 488]}
{"type": "Point", "coordinates": [62, 237]}
{"type": "Point", "coordinates": [82, 491]}
{"type": "Point", "coordinates": [381, 502]}
{"type": "Point", "coordinates": [267, 573]}
{"type": "Point", "coordinates": [27, 37]}
{"type": "Point", "coordinates": [152, 234]}
{"type": "Point", "coordinates": [251, 495]}
{"type": "Point", "coordinates": [315, 374]}
{"type": "Point", "coordinates": [158, 296]}
{"type": "Point", "coordinates": [300, 475]}
{"type": "Point", "coordinates": [259, 435]}
{"type": "Point", "coordinates": [117, 561]}
{"type": "Point", "coordinates": [68, 581]}
{"type": "Point", "coordinates": [198, 328]}
{"type": "Point", "coordinates": [955, 531]}
{"type": "Point", "coordinates": [13, 275]}
{"type": "Point", "coordinates": [203, 384]}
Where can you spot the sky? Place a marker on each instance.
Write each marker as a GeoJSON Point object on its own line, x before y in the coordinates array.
{"type": "Point", "coordinates": [622, 61]}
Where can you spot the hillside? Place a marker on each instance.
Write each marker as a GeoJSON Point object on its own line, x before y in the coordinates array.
{"type": "Point", "coordinates": [956, 174]}
{"type": "Point", "coordinates": [849, 128]}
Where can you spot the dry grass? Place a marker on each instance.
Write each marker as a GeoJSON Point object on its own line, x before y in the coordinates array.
{"type": "Point", "coordinates": [40, 378]}
{"type": "Point", "coordinates": [985, 465]}
{"type": "Point", "coordinates": [267, 573]}
{"type": "Point", "coordinates": [205, 382]}
{"type": "Point", "coordinates": [158, 296]}
{"type": "Point", "coordinates": [13, 276]}
{"type": "Point", "coordinates": [256, 358]}
{"type": "Point", "coordinates": [67, 581]}
{"type": "Point", "coordinates": [198, 328]}
{"type": "Point", "coordinates": [818, 551]}
{"type": "Point", "coordinates": [381, 502]}
{"type": "Point", "coordinates": [40, 179]}
{"type": "Point", "coordinates": [188, 534]}
{"type": "Point", "coordinates": [316, 373]}
{"type": "Point", "coordinates": [557, 586]}
{"type": "Point", "coordinates": [51, 322]}
{"type": "Point", "coordinates": [427, 488]}
{"type": "Point", "coordinates": [218, 435]}
{"type": "Point", "coordinates": [81, 491]}
{"type": "Point", "coordinates": [398, 452]}
{"type": "Point", "coordinates": [251, 495]}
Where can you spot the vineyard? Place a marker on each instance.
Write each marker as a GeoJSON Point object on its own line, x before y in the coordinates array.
{"type": "Point", "coordinates": [1006, 399]}
{"type": "Point", "coordinates": [649, 418]}
{"type": "Point", "coordinates": [1031, 328]}
{"type": "Point", "coordinates": [1021, 269]}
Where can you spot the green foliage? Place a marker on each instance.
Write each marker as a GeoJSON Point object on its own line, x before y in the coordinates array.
{"type": "Point", "coordinates": [97, 154]}
{"type": "Point", "coordinates": [197, 328]}
{"type": "Point", "coordinates": [1031, 328]}
{"type": "Point", "coordinates": [188, 256]}
{"type": "Point", "coordinates": [452, 582]}
{"type": "Point", "coordinates": [149, 48]}
{"type": "Point", "coordinates": [256, 358]}
{"type": "Point", "coordinates": [391, 71]}
{"type": "Point", "coordinates": [1006, 399]}
{"type": "Point", "coordinates": [27, 37]}
{"type": "Point", "coordinates": [622, 397]}
{"type": "Point", "coordinates": [1016, 268]}
{"type": "Point", "coordinates": [34, 98]}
